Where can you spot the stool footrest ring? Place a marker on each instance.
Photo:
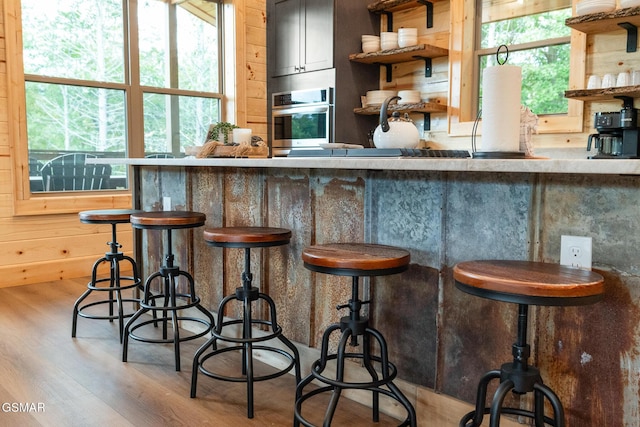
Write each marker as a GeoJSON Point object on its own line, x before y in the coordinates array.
{"type": "Point", "coordinates": [317, 373]}
{"type": "Point", "coordinates": [134, 282]}
{"type": "Point", "coordinates": [145, 304]}
{"type": "Point", "coordinates": [105, 317]}
{"type": "Point", "coordinates": [276, 332]}
{"type": "Point", "coordinates": [317, 391]}
{"type": "Point", "coordinates": [244, 379]}
{"type": "Point", "coordinates": [169, 340]}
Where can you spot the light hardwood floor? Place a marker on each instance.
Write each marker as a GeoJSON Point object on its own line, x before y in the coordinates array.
{"type": "Point", "coordinates": [83, 382]}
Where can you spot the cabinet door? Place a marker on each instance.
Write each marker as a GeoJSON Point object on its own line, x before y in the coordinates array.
{"type": "Point", "coordinates": [317, 35]}
{"type": "Point", "coordinates": [285, 23]}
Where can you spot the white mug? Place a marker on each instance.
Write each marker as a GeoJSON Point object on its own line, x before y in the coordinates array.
{"type": "Point", "coordinates": [635, 77]}
{"type": "Point", "coordinates": [609, 80]}
{"type": "Point", "coordinates": [594, 82]}
{"type": "Point", "coordinates": [623, 79]}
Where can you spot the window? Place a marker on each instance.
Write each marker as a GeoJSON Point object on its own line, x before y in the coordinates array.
{"type": "Point", "coordinates": [116, 78]}
{"type": "Point", "coordinates": [498, 19]}
{"type": "Point", "coordinates": [537, 41]}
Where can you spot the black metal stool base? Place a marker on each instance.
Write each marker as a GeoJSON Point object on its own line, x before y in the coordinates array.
{"type": "Point", "coordinates": [495, 410]}
{"type": "Point", "coordinates": [335, 386]}
{"type": "Point", "coordinates": [116, 284]}
{"type": "Point", "coordinates": [519, 378]}
{"type": "Point", "coordinates": [245, 345]}
{"type": "Point", "coordinates": [170, 309]}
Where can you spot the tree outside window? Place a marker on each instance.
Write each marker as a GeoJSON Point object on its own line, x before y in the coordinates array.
{"type": "Point", "coordinates": [537, 40]}
{"type": "Point", "coordinates": [92, 67]}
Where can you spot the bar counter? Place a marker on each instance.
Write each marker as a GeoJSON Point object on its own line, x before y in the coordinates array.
{"type": "Point", "coordinates": [443, 211]}
{"type": "Point", "coordinates": [534, 165]}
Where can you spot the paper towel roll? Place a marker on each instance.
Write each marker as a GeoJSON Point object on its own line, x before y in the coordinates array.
{"type": "Point", "coordinates": [501, 87]}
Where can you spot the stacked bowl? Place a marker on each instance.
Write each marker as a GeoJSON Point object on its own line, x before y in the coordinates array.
{"type": "Point", "coordinates": [629, 3]}
{"type": "Point", "coordinates": [407, 37]}
{"type": "Point", "coordinates": [409, 97]}
{"type": "Point", "coordinates": [388, 40]}
{"type": "Point", "coordinates": [370, 43]}
{"type": "Point", "coordinates": [375, 98]}
{"type": "Point", "coordinates": [585, 7]}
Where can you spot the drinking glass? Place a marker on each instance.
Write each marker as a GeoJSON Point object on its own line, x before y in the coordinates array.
{"type": "Point", "coordinates": [623, 79]}
{"type": "Point", "coordinates": [595, 82]}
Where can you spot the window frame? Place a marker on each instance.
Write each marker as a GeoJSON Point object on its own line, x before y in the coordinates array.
{"type": "Point", "coordinates": [463, 62]}
{"type": "Point", "coordinates": [27, 203]}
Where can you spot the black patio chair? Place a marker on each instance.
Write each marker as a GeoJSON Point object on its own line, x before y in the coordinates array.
{"type": "Point", "coordinates": [69, 172]}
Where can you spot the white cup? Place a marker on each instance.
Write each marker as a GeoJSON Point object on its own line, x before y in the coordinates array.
{"type": "Point", "coordinates": [624, 79]}
{"type": "Point", "coordinates": [609, 80]}
{"type": "Point", "coordinates": [594, 82]}
{"type": "Point", "coordinates": [242, 136]}
{"type": "Point", "coordinates": [635, 77]}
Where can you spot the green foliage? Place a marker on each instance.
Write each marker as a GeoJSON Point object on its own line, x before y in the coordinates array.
{"type": "Point", "coordinates": [83, 41]}
{"type": "Point", "coordinates": [221, 128]}
{"type": "Point", "coordinates": [545, 69]}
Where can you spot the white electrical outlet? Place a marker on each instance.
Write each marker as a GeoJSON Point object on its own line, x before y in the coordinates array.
{"type": "Point", "coordinates": [575, 251]}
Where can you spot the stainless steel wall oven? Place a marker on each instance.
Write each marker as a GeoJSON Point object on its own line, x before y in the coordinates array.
{"type": "Point", "coordinates": [301, 119]}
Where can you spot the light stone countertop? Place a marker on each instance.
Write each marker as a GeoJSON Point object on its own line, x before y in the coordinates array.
{"type": "Point", "coordinates": [561, 164]}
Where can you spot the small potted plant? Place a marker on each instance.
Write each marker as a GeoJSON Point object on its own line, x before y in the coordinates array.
{"type": "Point", "coordinates": [221, 132]}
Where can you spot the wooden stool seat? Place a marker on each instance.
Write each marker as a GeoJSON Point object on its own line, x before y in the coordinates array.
{"type": "Point", "coordinates": [524, 283]}
{"type": "Point", "coordinates": [529, 282]}
{"type": "Point", "coordinates": [107, 216]}
{"type": "Point", "coordinates": [243, 237]}
{"type": "Point", "coordinates": [356, 259]}
{"type": "Point", "coordinates": [168, 219]}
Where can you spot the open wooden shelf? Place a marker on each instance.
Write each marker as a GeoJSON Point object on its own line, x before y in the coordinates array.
{"type": "Point", "coordinates": [404, 54]}
{"type": "Point", "coordinates": [605, 21]}
{"type": "Point", "coordinates": [422, 107]}
{"type": "Point", "coordinates": [603, 94]}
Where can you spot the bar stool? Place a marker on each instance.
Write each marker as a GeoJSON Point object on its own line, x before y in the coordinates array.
{"type": "Point", "coordinates": [524, 283]}
{"type": "Point", "coordinates": [117, 283]}
{"type": "Point", "coordinates": [355, 260]}
{"type": "Point", "coordinates": [246, 238]}
{"type": "Point", "coordinates": [168, 273]}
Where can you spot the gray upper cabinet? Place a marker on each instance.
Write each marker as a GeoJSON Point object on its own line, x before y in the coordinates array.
{"type": "Point", "coordinates": [302, 36]}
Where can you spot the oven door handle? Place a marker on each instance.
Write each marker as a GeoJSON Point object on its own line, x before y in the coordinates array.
{"type": "Point", "coordinates": [300, 110]}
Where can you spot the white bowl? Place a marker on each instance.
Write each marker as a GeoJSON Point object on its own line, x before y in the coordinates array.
{"type": "Point", "coordinates": [407, 41]}
{"type": "Point", "coordinates": [388, 40]}
{"type": "Point", "coordinates": [370, 47]}
{"type": "Point", "coordinates": [404, 32]}
{"type": "Point", "coordinates": [368, 38]}
{"type": "Point", "coordinates": [409, 96]}
{"type": "Point", "coordinates": [375, 98]}
{"type": "Point", "coordinates": [586, 7]}
{"type": "Point", "coordinates": [629, 3]}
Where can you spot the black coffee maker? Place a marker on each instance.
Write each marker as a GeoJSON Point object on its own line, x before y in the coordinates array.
{"type": "Point", "coordinates": [618, 134]}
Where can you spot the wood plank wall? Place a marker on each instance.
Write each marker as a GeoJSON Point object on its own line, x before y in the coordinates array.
{"type": "Point", "coordinates": [38, 248]}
